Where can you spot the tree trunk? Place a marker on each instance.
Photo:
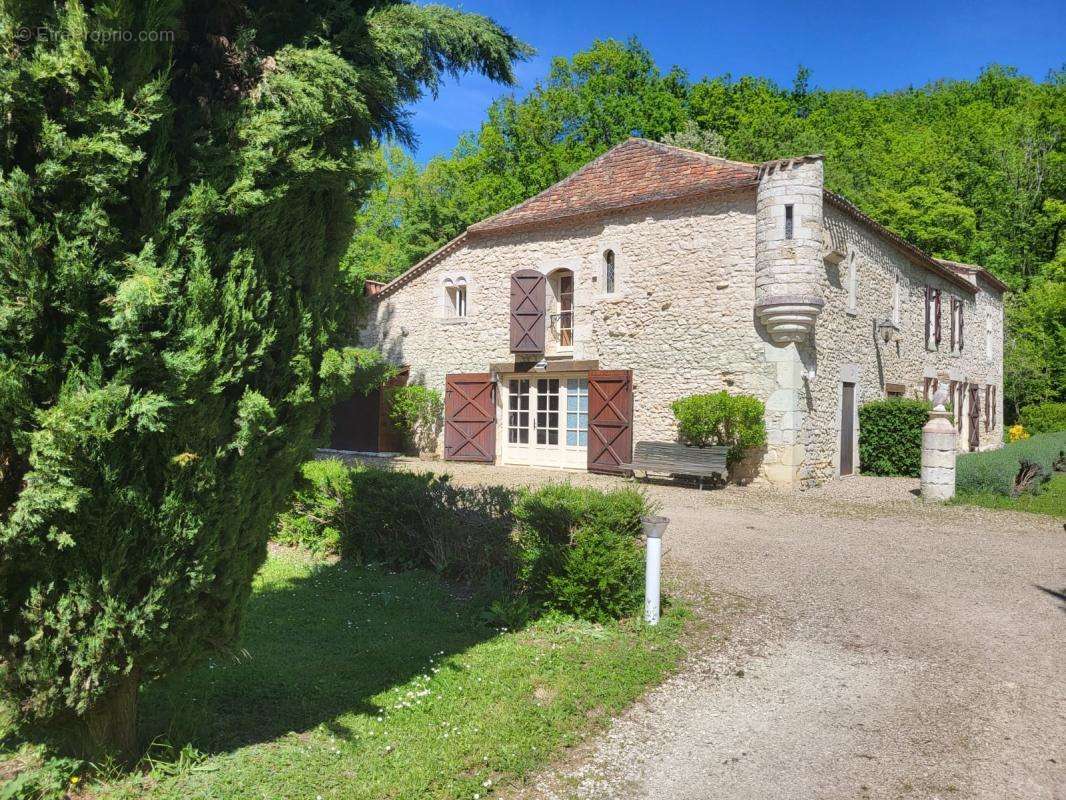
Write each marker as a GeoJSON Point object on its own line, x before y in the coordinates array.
{"type": "Point", "coordinates": [109, 728]}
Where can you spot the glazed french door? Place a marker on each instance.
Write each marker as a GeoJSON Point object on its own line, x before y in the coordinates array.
{"type": "Point", "coordinates": [546, 421]}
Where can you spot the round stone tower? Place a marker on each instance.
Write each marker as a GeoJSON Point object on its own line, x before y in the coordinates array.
{"type": "Point", "coordinates": [788, 247]}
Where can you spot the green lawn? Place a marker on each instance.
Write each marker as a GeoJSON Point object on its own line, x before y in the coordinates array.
{"type": "Point", "coordinates": [1050, 501]}
{"type": "Point", "coordinates": [356, 683]}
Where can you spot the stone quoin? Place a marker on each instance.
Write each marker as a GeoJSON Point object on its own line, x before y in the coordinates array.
{"type": "Point", "coordinates": [655, 272]}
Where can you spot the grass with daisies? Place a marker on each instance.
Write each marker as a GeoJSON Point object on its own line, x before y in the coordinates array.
{"type": "Point", "coordinates": [351, 682]}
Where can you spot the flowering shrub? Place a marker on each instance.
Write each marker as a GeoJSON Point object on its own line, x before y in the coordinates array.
{"type": "Point", "coordinates": [1016, 433]}
{"type": "Point", "coordinates": [1044, 417]}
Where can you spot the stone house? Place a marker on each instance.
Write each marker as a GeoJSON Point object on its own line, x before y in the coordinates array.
{"type": "Point", "coordinates": [562, 329]}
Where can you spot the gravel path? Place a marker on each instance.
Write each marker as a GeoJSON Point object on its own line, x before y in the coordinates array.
{"type": "Point", "coordinates": [889, 651]}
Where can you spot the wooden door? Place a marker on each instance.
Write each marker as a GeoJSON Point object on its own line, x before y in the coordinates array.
{"type": "Point", "coordinates": [975, 418]}
{"type": "Point", "coordinates": [470, 417]}
{"type": "Point", "coordinates": [610, 435]}
{"type": "Point", "coordinates": [847, 430]}
{"type": "Point", "coordinates": [356, 421]}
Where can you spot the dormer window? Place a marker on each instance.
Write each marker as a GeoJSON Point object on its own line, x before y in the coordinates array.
{"type": "Point", "coordinates": [608, 271]}
{"type": "Point", "coordinates": [456, 296]}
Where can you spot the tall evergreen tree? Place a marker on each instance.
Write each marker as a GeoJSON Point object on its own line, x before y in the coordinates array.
{"type": "Point", "coordinates": [174, 203]}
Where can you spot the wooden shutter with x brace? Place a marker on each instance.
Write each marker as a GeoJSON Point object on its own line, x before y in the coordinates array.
{"type": "Point", "coordinates": [610, 420]}
{"type": "Point", "coordinates": [527, 311]}
{"type": "Point", "coordinates": [470, 417]}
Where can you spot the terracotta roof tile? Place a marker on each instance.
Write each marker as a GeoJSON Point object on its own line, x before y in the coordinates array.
{"type": "Point", "coordinates": [634, 173]}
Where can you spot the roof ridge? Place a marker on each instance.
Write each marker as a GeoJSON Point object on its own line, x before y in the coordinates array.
{"type": "Point", "coordinates": [689, 150]}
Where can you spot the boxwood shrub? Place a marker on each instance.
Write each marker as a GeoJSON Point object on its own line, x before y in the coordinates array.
{"type": "Point", "coordinates": [994, 471]}
{"type": "Point", "coordinates": [1044, 418]}
{"type": "Point", "coordinates": [581, 550]}
{"type": "Point", "coordinates": [890, 437]}
{"type": "Point", "coordinates": [723, 419]}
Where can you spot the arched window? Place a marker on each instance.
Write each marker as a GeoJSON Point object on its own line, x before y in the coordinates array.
{"type": "Point", "coordinates": [562, 319]}
{"type": "Point", "coordinates": [455, 295]}
{"type": "Point", "coordinates": [608, 271]}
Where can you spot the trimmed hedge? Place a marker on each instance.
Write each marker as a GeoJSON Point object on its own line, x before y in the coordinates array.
{"type": "Point", "coordinates": [573, 550]}
{"type": "Point", "coordinates": [1044, 418]}
{"type": "Point", "coordinates": [890, 437]}
{"type": "Point", "coordinates": [580, 550]}
{"type": "Point", "coordinates": [994, 471]}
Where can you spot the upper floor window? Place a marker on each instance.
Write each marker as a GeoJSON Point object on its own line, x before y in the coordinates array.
{"type": "Point", "coordinates": [989, 336]}
{"type": "Point", "coordinates": [956, 325]}
{"type": "Point", "coordinates": [456, 296]}
{"type": "Point", "coordinates": [896, 291]}
{"type": "Point", "coordinates": [932, 318]}
{"type": "Point", "coordinates": [853, 283]}
{"type": "Point", "coordinates": [608, 271]}
{"type": "Point", "coordinates": [561, 283]}
{"type": "Point", "coordinates": [788, 221]}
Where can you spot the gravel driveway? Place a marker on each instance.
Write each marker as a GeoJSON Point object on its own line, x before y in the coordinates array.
{"type": "Point", "coordinates": [887, 650]}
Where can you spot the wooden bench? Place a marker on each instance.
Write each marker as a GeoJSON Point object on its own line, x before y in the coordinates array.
{"type": "Point", "coordinates": [669, 458]}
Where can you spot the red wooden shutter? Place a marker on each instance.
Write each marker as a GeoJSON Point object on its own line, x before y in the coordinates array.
{"type": "Point", "coordinates": [470, 417]}
{"type": "Point", "coordinates": [610, 420]}
{"type": "Point", "coordinates": [527, 311]}
{"type": "Point", "coordinates": [936, 324]}
{"type": "Point", "coordinates": [960, 325]}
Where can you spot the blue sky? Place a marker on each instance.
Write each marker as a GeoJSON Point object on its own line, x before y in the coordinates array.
{"type": "Point", "coordinates": [874, 46]}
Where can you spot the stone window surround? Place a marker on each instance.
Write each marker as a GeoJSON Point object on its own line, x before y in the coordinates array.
{"type": "Point", "coordinates": [598, 275]}
{"type": "Point", "coordinates": [853, 282]}
{"type": "Point", "coordinates": [572, 263]}
{"type": "Point", "coordinates": [897, 302]}
{"type": "Point", "coordinates": [446, 312]}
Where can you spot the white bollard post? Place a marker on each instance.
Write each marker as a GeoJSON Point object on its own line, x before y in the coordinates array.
{"type": "Point", "coordinates": [653, 530]}
{"type": "Point", "coordinates": [938, 452]}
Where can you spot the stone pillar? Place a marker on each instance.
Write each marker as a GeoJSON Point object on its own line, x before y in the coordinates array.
{"type": "Point", "coordinates": [786, 411]}
{"type": "Point", "coordinates": [938, 452]}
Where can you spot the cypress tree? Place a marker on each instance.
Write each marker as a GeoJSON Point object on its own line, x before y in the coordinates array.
{"type": "Point", "coordinates": [177, 184]}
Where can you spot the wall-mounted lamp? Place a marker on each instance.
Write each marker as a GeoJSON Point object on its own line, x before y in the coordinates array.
{"type": "Point", "coordinates": [889, 331]}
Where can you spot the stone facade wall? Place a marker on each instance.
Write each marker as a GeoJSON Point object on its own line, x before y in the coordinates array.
{"type": "Point", "coordinates": [681, 316]}
{"type": "Point", "coordinates": [849, 347]}
{"type": "Point", "coordinates": [683, 319]}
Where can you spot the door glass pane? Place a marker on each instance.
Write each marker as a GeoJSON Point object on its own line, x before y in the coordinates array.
{"type": "Point", "coordinates": [577, 418]}
{"type": "Point", "coordinates": [548, 411]}
{"type": "Point", "coordinates": [518, 412]}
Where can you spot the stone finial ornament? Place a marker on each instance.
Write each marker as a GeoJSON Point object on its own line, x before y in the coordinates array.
{"type": "Point", "coordinates": [940, 399]}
